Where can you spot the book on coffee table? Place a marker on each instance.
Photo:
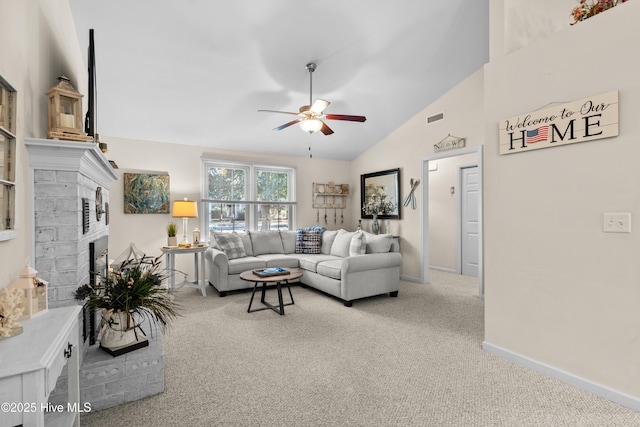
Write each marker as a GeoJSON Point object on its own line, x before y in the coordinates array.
{"type": "Point", "coordinates": [271, 271]}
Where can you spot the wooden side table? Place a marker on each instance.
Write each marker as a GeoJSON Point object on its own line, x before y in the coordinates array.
{"type": "Point", "coordinates": [200, 281]}
{"type": "Point", "coordinates": [279, 280]}
{"type": "Point", "coordinates": [30, 365]}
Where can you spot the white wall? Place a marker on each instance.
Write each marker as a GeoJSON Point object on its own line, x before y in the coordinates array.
{"type": "Point", "coordinates": [527, 21]}
{"type": "Point", "coordinates": [38, 44]}
{"type": "Point", "coordinates": [182, 162]}
{"type": "Point", "coordinates": [558, 290]}
{"type": "Point", "coordinates": [409, 144]}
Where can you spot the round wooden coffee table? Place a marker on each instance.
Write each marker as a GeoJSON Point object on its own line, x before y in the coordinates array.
{"type": "Point", "coordinates": [278, 280]}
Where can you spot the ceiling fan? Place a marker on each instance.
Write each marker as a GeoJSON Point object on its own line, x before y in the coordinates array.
{"type": "Point", "coordinates": [310, 115]}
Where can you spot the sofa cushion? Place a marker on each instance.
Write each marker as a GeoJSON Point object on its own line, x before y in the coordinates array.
{"type": "Point", "coordinates": [288, 241]}
{"type": "Point", "coordinates": [231, 245]}
{"type": "Point", "coordinates": [327, 241]}
{"type": "Point", "coordinates": [308, 241]}
{"type": "Point", "coordinates": [310, 262]}
{"type": "Point", "coordinates": [238, 265]}
{"type": "Point", "coordinates": [378, 243]}
{"type": "Point", "coordinates": [358, 245]}
{"type": "Point", "coordinates": [331, 268]}
{"type": "Point", "coordinates": [341, 243]}
{"type": "Point", "coordinates": [266, 242]}
{"type": "Point", "coordinates": [279, 260]}
{"type": "Point", "coordinates": [246, 242]}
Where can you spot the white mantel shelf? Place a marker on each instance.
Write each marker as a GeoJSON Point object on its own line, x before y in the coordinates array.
{"type": "Point", "coordinates": [83, 157]}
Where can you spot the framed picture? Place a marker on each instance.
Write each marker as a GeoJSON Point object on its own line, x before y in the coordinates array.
{"type": "Point", "coordinates": [146, 193]}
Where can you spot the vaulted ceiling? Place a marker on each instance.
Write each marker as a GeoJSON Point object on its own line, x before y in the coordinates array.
{"type": "Point", "coordinates": [196, 71]}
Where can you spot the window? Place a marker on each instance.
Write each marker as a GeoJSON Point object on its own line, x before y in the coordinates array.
{"type": "Point", "coordinates": [240, 197]}
{"type": "Point", "coordinates": [7, 160]}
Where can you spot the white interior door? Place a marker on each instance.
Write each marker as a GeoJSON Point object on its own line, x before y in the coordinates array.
{"type": "Point", "coordinates": [470, 220]}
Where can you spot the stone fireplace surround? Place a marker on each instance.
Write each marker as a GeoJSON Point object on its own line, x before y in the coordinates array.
{"type": "Point", "coordinates": [62, 174]}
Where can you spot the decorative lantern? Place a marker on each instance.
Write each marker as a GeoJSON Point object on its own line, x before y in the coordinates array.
{"type": "Point", "coordinates": [35, 299]}
{"type": "Point", "coordinates": [65, 112]}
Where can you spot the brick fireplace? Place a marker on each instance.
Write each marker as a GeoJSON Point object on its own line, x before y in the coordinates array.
{"type": "Point", "coordinates": [66, 176]}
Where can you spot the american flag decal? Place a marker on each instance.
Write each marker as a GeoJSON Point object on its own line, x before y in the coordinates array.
{"type": "Point", "coordinates": [536, 135]}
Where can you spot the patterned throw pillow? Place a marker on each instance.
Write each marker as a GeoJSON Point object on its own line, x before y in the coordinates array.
{"type": "Point", "coordinates": [308, 241]}
{"type": "Point", "coordinates": [231, 244]}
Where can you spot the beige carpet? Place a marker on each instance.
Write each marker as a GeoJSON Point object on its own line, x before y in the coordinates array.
{"type": "Point", "coordinates": [415, 360]}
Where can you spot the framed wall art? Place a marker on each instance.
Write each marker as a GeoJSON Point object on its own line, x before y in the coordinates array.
{"type": "Point", "coordinates": [146, 193]}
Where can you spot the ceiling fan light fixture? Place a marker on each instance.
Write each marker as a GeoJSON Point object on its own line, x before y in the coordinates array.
{"type": "Point", "coordinates": [311, 125]}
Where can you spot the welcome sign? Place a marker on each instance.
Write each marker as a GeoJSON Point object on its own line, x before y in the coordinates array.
{"type": "Point", "coordinates": [578, 121]}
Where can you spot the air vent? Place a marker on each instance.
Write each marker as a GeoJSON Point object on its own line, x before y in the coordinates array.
{"type": "Point", "coordinates": [435, 118]}
{"type": "Point", "coordinates": [85, 215]}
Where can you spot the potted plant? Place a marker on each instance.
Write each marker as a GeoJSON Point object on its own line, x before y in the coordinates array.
{"type": "Point", "coordinates": [171, 233]}
{"type": "Point", "coordinates": [129, 295]}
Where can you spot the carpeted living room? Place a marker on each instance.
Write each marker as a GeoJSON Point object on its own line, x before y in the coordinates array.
{"type": "Point", "coordinates": [507, 293]}
{"type": "Point", "coordinates": [414, 361]}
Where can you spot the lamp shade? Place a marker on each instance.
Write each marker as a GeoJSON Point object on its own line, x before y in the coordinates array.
{"type": "Point", "coordinates": [311, 125]}
{"type": "Point", "coordinates": [185, 209]}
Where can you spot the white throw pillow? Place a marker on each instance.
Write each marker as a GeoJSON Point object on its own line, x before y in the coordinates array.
{"type": "Point", "coordinates": [328, 236]}
{"type": "Point", "coordinates": [378, 243]}
{"type": "Point", "coordinates": [358, 246]}
{"type": "Point", "coordinates": [341, 243]}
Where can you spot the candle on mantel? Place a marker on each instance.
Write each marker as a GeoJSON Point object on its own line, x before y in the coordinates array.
{"type": "Point", "coordinates": [67, 120]}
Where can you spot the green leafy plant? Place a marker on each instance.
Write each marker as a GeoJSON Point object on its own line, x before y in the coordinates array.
{"type": "Point", "coordinates": [172, 229]}
{"type": "Point", "coordinates": [135, 289]}
{"type": "Point", "coordinates": [588, 9]}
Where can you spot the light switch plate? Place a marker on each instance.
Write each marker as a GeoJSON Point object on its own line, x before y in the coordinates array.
{"type": "Point", "coordinates": [617, 223]}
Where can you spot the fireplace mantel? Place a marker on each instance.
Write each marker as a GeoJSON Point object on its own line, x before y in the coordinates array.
{"type": "Point", "coordinates": [83, 157]}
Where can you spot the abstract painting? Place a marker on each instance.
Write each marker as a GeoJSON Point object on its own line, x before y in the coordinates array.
{"type": "Point", "coordinates": [146, 193]}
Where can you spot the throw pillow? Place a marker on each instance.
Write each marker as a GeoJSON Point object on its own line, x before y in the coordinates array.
{"type": "Point", "coordinates": [246, 242]}
{"type": "Point", "coordinates": [327, 241]}
{"type": "Point", "coordinates": [358, 245]}
{"type": "Point", "coordinates": [308, 241]}
{"type": "Point", "coordinates": [341, 243]}
{"type": "Point", "coordinates": [230, 244]}
{"type": "Point", "coordinates": [378, 243]}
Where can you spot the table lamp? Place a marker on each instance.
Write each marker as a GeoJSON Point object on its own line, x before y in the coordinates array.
{"type": "Point", "coordinates": [185, 209]}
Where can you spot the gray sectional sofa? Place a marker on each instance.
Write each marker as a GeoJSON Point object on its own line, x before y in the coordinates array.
{"type": "Point", "coordinates": [347, 265]}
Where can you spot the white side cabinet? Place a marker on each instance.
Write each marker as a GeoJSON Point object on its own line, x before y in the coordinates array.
{"type": "Point", "coordinates": [30, 365]}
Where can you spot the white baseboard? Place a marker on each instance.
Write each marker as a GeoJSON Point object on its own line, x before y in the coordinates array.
{"type": "Point", "coordinates": [623, 399]}
{"type": "Point", "coordinates": [447, 270]}
{"type": "Point", "coordinates": [410, 278]}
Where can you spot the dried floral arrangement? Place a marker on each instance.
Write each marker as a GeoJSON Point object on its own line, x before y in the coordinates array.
{"type": "Point", "coordinates": [10, 310]}
{"type": "Point", "coordinates": [587, 9]}
{"type": "Point", "coordinates": [378, 205]}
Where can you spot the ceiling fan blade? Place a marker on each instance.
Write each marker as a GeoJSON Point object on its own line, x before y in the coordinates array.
{"type": "Point", "coordinates": [326, 129]}
{"type": "Point", "coordinates": [286, 125]}
{"type": "Point", "coordinates": [276, 111]}
{"type": "Point", "coordinates": [318, 106]}
{"type": "Point", "coordinates": [345, 117]}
